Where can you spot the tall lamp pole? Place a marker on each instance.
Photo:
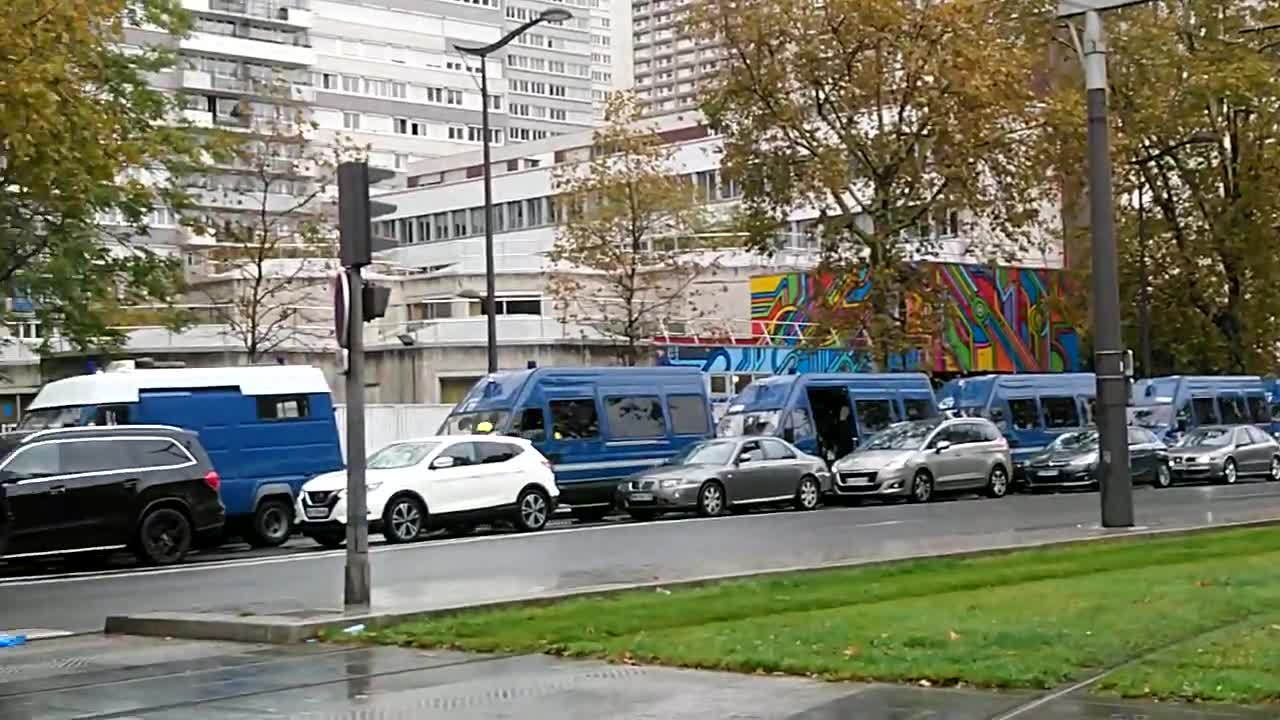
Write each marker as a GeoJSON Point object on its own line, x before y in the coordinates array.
{"type": "Point", "coordinates": [490, 283]}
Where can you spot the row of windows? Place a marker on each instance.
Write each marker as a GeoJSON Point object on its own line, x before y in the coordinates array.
{"type": "Point", "coordinates": [538, 64]}
{"type": "Point", "coordinates": [404, 126]}
{"type": "Point", "coordinates": [519, 214]}
{"type": "Point", "coordinates": [555, 90]}
{"type": "Point", "coordinates": [515, 12]}
{"type": "Point", "coordinates": [632, 417]}
{"type": "Point", "coordinates": [537, 111]}
{"type": "Point", "coordinates": [524, 134]}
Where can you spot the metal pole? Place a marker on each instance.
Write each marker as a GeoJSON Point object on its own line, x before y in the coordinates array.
{"type": "Point", "coordinates": [356, 582]}
{"type": "Point", "coordinates": [490, 281]}
{"type": "Point", "coordinates": [1112, 389]}
{"type": "Point", "coordinates": [1144, 302]}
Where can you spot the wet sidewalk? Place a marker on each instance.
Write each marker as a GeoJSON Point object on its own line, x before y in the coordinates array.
{"type": "Point", "coordinates": [140, 678]}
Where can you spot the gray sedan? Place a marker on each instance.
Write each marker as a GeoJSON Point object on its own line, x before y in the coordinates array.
{"type": "Point", "coordinates": [732, 473]}
{"type": "Point", "coordinates": [1225, 454]}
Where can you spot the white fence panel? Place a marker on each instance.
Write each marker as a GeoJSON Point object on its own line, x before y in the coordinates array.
{"type": "Point", "coordinates": [387, 423]}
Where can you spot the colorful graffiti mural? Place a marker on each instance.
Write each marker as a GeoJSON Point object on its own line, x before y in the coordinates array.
{"type": "Point", "coordinates": [994, 319]}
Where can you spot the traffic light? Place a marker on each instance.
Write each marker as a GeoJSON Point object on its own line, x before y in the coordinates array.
{"type": "Point", "coordinates": [356, 243]}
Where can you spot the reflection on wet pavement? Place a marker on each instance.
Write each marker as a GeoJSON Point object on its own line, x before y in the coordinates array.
{"type": "Point", "coordinates": [142, 679]}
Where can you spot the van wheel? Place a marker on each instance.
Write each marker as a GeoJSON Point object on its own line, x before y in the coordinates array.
{"type": "Point", "coordinates": [403, 519]}
{"type": "Point", "coordinates": [534, 509]}
{"type": "Point", "coordinates": [164, 537]}
{"type": "Point", "coordinates": [809, 494]}
{"type": "Point", "coordinates": [272, 523]}
{"type": "Point", "coordinates": [998, 482]}
{"type": "Point", "coordinates": [921, 487]}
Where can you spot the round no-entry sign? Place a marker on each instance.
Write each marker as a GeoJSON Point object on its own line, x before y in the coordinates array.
{"type": "Point", "coordinates": [341, 306]}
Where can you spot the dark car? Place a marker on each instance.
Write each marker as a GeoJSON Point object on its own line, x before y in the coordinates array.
{"type": "Point", "coordinates": [730, 473]}
{"type": "Point", "coordinates": [1225, 453]}
{"type": "Point", "coordinates": [90, 491]}
{"type": "Point", "coordinates": [1071, 460]}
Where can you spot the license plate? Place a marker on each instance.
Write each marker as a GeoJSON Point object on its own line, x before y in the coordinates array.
{"type": "Point", "coordinates": [318, 513]}
{"type": "Point", "coordinates": [642, 497]}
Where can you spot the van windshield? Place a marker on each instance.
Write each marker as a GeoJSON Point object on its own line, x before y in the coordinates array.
{"type": "Point", "coordinates": [469, 423]}
{"type": "Point", "coordinates": [400, 455]}
{"type": "Point", "coordinates": [49, 418]}
{"type": "Point", "coordinates": [753, 423]}
{"type": "Point", "coordinates": [1151, 416]}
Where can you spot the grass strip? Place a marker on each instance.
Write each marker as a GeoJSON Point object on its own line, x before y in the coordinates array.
{"type": "Point", "coordinates": [1028, 619]}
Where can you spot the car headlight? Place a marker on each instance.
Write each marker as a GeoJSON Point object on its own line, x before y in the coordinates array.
{"type": "Point", "coordinates": [668, 484]}
{"type": "Point", "coordinates": [1085, 461]}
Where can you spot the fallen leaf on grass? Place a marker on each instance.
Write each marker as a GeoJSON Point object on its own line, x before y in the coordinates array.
{"type": "Point", "coordinates": [953, 635]}
{"type": "Point", "coordinates": [852, 651]}
{"type": "Point", "coordinates": [1205, 583]}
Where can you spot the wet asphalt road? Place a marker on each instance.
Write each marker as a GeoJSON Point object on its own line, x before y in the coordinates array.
{"type": "Point", "coordinates": [503, 566]}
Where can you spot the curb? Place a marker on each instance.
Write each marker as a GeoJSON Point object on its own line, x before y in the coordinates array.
{"type": "Point", "coordinates": [278, 629]}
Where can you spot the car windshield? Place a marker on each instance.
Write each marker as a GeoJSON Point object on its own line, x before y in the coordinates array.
{"type": "Point", "coordinates": [715, 452]}
{"type": "Point", "coordinates": [401, 455]}
{"type": "Point", "coordinates": [1076, 441]}
{"type": "Point", "coordinates": [1206, 437]}
{"type": "Point", "coordinates": [49, 418]}
{"type": "Point", "coordinates": [470, 423]}
{"type": "Point", "coordinates": [753, 423]}
{"type": "Point", "coordinates": [903, 436]}
{"type": "Point", "coordinates": [1151, 416]}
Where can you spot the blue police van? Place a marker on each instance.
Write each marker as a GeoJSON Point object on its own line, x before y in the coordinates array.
{"type": "Point", "coordinates": [1030, 409]}
{"type": "Point", "coordinates": [1169, 406]}
{"type": "Point", "coordinates": [596, 426]}
{"type": "Point", "coordinates": [827, 414]}
{"type": "Point", "coordinates": [268, 429]}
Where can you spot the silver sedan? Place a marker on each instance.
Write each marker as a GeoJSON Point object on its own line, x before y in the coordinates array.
{"type": "Point", "coordinates": [732, 473]}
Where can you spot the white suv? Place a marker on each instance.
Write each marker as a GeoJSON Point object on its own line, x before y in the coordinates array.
{"type": "Point", "coordinates": [453, 482]}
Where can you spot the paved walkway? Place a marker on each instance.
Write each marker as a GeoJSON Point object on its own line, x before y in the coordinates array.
{"type": "Point", "coordinates": [150, 679]}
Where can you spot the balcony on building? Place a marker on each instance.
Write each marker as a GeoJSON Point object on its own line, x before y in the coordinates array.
{"type": "Point", "coordinates": [286, 13]}
{"type": "Point", "coordinates": [242, 38]}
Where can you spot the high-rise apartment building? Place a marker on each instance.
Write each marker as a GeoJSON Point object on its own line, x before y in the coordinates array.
{"type": "Point", "coordinates": [668, 62]}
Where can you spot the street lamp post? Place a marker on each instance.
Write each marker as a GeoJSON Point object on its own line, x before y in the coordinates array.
{"type": "Point", "coordinates": [549, 15]}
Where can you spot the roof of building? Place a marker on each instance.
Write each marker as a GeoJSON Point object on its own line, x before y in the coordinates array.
{"type": "Point", "coordinates": [124, 386]}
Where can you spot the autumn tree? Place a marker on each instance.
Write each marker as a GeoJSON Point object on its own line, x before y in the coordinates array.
{"type": "Point", "coordinates": [629, 247]}
{"type": "Point", "coordinates": [272, 230]}
{"type": "Point", "coordinates": [904, 126]}
{"type": "Point", "coordinates": [88, 149]}
{"type": "Point", "coordinates": [1196, 109]}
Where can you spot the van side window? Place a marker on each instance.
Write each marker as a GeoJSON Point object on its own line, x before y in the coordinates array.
{"type": "Point", "coordinates": [1025, 414]}
{"type": "Point", "coordinates": [530, 425]}
{"type": "Point", "coordinates": [1060, 412]}
{"type": "Point", "coordinates": [873, 415]}
{"type": "Point", "coordinates": [283, 407]}
{"type": "Point", "coordinates": [574, 419]}
{"type": "Point", "coordinates": [917, 408]}
{"type": "Point", "coordinates": [635, 417]}
{"type": "Point", "coordinates": [1258, 409]}
{"type": "Point", "coordinates": [800, 424]}
{"type": "Point", "coordinates": [688, 414]}
{"type": "Point", "coordinates": [1234, 411]}
{"type": "Point", "coordinates": [1206, 411]}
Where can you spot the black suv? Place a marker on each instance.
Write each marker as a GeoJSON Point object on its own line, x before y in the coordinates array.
{"type": "Point", "coordinates": [94, 490]}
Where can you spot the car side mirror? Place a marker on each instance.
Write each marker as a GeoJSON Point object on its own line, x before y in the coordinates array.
{"type": "Point", "coordinates": [942, 445]}
{"type": "Point", "coordinates": [744, 458]}
{"type": "Point", "coordinates": [442, 462]}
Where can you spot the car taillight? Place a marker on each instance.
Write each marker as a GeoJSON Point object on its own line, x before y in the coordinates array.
{"type": "Point", "coordinates": [212, 480]}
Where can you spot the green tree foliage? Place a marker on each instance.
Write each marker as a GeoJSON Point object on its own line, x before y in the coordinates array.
{"type": "Point", "coordinates": [629, 248]}
{"type": "Point", "coordinates": [885, 117]}
{"type": "Point", "coordinates": [87, 150]}
{"type": "Point", "coordinates": [1196, 120]}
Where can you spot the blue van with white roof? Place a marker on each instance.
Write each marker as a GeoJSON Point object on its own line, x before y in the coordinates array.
{"type": "Point", "coordinates": [1169, 406]}
{"type": "Point", "coordinates": [267, 429]}
{"type": "Point", "coordinates": [1031, 409]}
{"type": "Point", "coordinates": [595, 425]}
{"type": "Point", "coordinates": [827, 414]}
